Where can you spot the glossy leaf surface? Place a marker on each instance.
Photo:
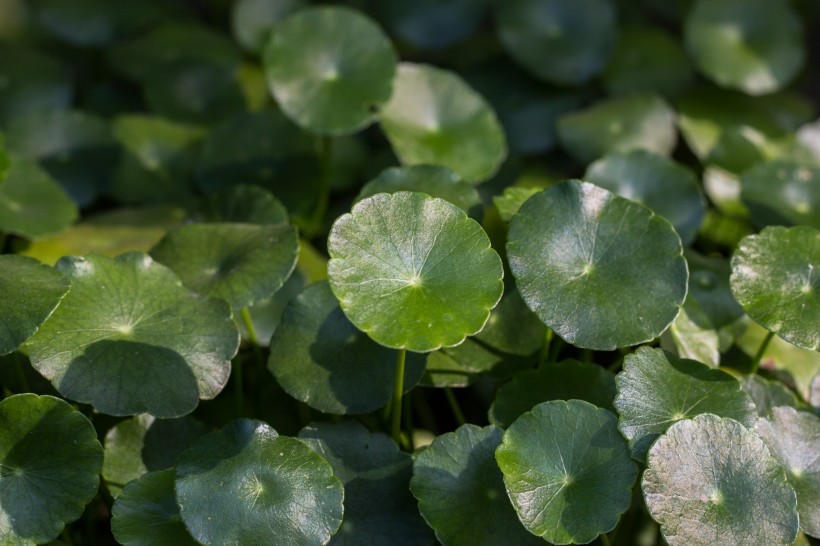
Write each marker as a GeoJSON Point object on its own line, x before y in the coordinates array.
{"type": "Point", "coordinates": [412, 271]}
{"type": "Point", "coordinates": [657, 389]}
{"type": "Point", "coordinates": [568, 252]}
{"type": "Point", "coordinates": [249, 485]}
{"type": "Point", "coordinates": [553, 458]}
{"type": "Point", "coordinates": [128, 338]}
{"type": "Point", "coordinates": [711, 481]}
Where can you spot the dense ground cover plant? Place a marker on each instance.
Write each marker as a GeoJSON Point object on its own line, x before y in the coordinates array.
{"type": "Point", "coordinates": [389, 272]}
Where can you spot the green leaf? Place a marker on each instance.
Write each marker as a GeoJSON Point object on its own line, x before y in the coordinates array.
{"type": "Point", "coordinates": [461, 491]}
{"type": "Point", "coordinates": [767, 395]}
{"type": "Point", "coordinates": [375, 474]}
{"type": "Point", "coordinates": [755, 46]}
{"type": "Point", "coordinates": [252, 20]}
{"type": "Point", "coordinates": [567, 471]}
{"type": "Point", "coordinates": [793, 437]}
{"type": "Point", "coordinates": [566, 380]}
{"type": "Point", "coordinates": [667, 187]}
{"type": "Point", "coordinates": [775, 279]}
{"type": "Point", "coordinates": [634, 122]}
{"type": "Point", "coordinates": [330, 68]}
{"type": "Point", "coordinates": [262, 149]}
{"type": "Point", "coordinates": [431, 24]}
{"type": "Point", "coordinates": [656, 389]}
{"type": "Point", "coordinates": [710, 481]}
{"type": "Point", "coordinates": [434, 117]}
{"type": "Point", "coordinates": [128, 338]}
{"type": "Point", "coordinates": [444, 370]}
{"type": "Point", "coordinates": [34, 82]}
{"type": "Point", "coordinates": [693, 335]}
{"type": "Point", "coordinates": [413, 272]}
{"type": "Point", "coordinates": [709, 287]}
{"type": "Point", "coordinates": [435, 181]}
{"type": "Point", "coordinates": [242, 204]}
{"type": "Point", "coordinates": [647, 59]}
{"type": "Point", "coordinates": [240, 263]}
{"type": "Point", "coordinates": [782, 192]}
{"type": "Point", "coordinates": [109, 233]}
{"type": "Point", "coordinates": [569, 252]}
{"type": "Point", "coordinates": [30, 292]}
{"type": "Point", "coordinates": [512, 328]}
{"type": "Point", "coordinates": [147, 513]}
{"type": "Point", "coordinates": [246, 484]}
{"type": "Point", "coordinates": [78, 150]}
{"type": "Point", "coordinates": [559, 42]}
{"type": "Point", "coordinates": [322, 359]}
{"type": "Point", "coordinates": [143, 443]}
{"type": "Point", "coordinates": [32, 204]}
{"type": "Point", "coordinates": [4, 159]}
{"type": "Point", "coordinates": [50, 464]}
{"type": "Point", "coordinates": [511, 200]}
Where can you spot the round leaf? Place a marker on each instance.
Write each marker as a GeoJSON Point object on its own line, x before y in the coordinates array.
{"type": "Point", "coordinates": [565, 380]}
{"type": "Point", "coordinates": [375, 475]}
{"type": "Point", "coordinates": [767, 395]}
{"type": "Point", "coordinates": [435, 181]}
{"type": "Point", "coordinates": [461, 491]}
{"type": "Point", "coordinates": [560, 42]}
{"type": "Point", "coordinates": [246, 484]}
{"type": "Point", "coordinates": [434, 118]}
{"type": "Point", "coordinates": [668, 188]}
{"type": "Point", "coordinates": [30, 291]}
{"type": "Point", "coordinates": [412, 271]}
{"type": "Point", "coordinates": [128, 338]}
{"type": "Point", "coordinates": [252, 20]}
{"type": "Point", "coordinates": [329, 68]}
{"type": "Point", "coordinates": [322, 359]}
{"type": "Point", "coordinates": [656, 389]}
{"type": "Point", "coordinates": [50, 461]}
{"type": "Point", "coordinates": [601, 271]}
{"type": "Point", "coordinates": [243, 204]}
{"type": "Point", "coordinates": [143, 443]}
{"type": "Point", "coordinates": [793, 438]}
{"type": "Point", "coordinates": [567, 471]}
{"type": "Point", "coordinates": [634, 122]}
{"type": "Point", "coordinates": [147, 514]}
{"type": "Point", "coordinates": [755, 46]}
{"type": "Point", "coordinates": [32, 204]}
{"type": "Point", "coordinates": [240, 263]}
{"type": "Point", "coordinates": [775, 277]}
{"type": "Point", "coordinates": [712, 482]}
{"type": "Point", "coordinates": [782, 192]}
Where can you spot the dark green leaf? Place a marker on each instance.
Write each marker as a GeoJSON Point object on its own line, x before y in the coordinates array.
{"type": "Point", "coordinates": [243, 204]}
{"type": "Point", "coordinates": [322, 359]}
{"type": "Point", "coordinates": [252, 20]}
{"type": "Point", "coordinates": [656, 389]}
{"type": "Point", "coordinates": [712, 482]}
{"type": "Point", "coordinates": [330, 68]}
{"type": "Point", "coordinates": [128, 338]}
{"type": "Point", "coordinates": [246, 484]}
{"type": "Point", "coordinates": [634, 122]}
{"type": "Point", "coordinates": [768, 395]}
{"type": "Point", "coordinates": [567, 471]}
{"type": "Point", "coordinates": [461, 491]}
{"type": "Point", "coordinates": [32, 204]}
{"type": "Point", "coordinates": [434, 118]}
{"type": "Point", "coordinates": [755, 46]}
{"type": "Point", "coordinates": [668, 188]}
{"type": "Point", "coordinates": [431, 24]}
{"type": "Point", "coordinates": [775, 278]}
{"type": "Point", "coordinates": [30, 291]}
{"type": "Point", "coordinates": [782, 192]}
{"type": "Point", "coordinates": [560, 42]}
{"type": "Point", "coordinates": [375, 474]}
{"type": "Point", "coordinates": [709, 287]}
{"type": "Point", "coordinates": [412, 271]}
{"type": "Point", "coordinates": [49, 464]}
{"type": "Point", "coordinates": [569, 252]}
{"type": "Point", "coordinates": [33, 82]}
{"type": "Point", "coordinates": [566, 380]}
{"type": "Point", "coordinates": [794, 440]}
{"type": "Point", "coordinates": [146, 514]}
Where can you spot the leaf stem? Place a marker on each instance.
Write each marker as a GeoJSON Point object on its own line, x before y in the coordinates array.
{"type": "Point", "coordinates": [759, 355]}
{"type": "Point", "coordinates": [543, 358]}
{"type": "Point", "coordinates": [555, 348]}
{"type": "Point", "coordinates": [453, 402]}
{"type": "Point", "coordinates": [398, 390]}
{"type": "Point", "coordinates": [247, 321]}
{"type": "Point", "coordinates": [314, 225]}
{"type": "Point", "coordinates": [605, 540]}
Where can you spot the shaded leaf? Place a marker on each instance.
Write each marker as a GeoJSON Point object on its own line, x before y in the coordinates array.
{"type": "Point", "coordinates": [782, 192]}
{"type": "Point", "coordinates": [768, 395]}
